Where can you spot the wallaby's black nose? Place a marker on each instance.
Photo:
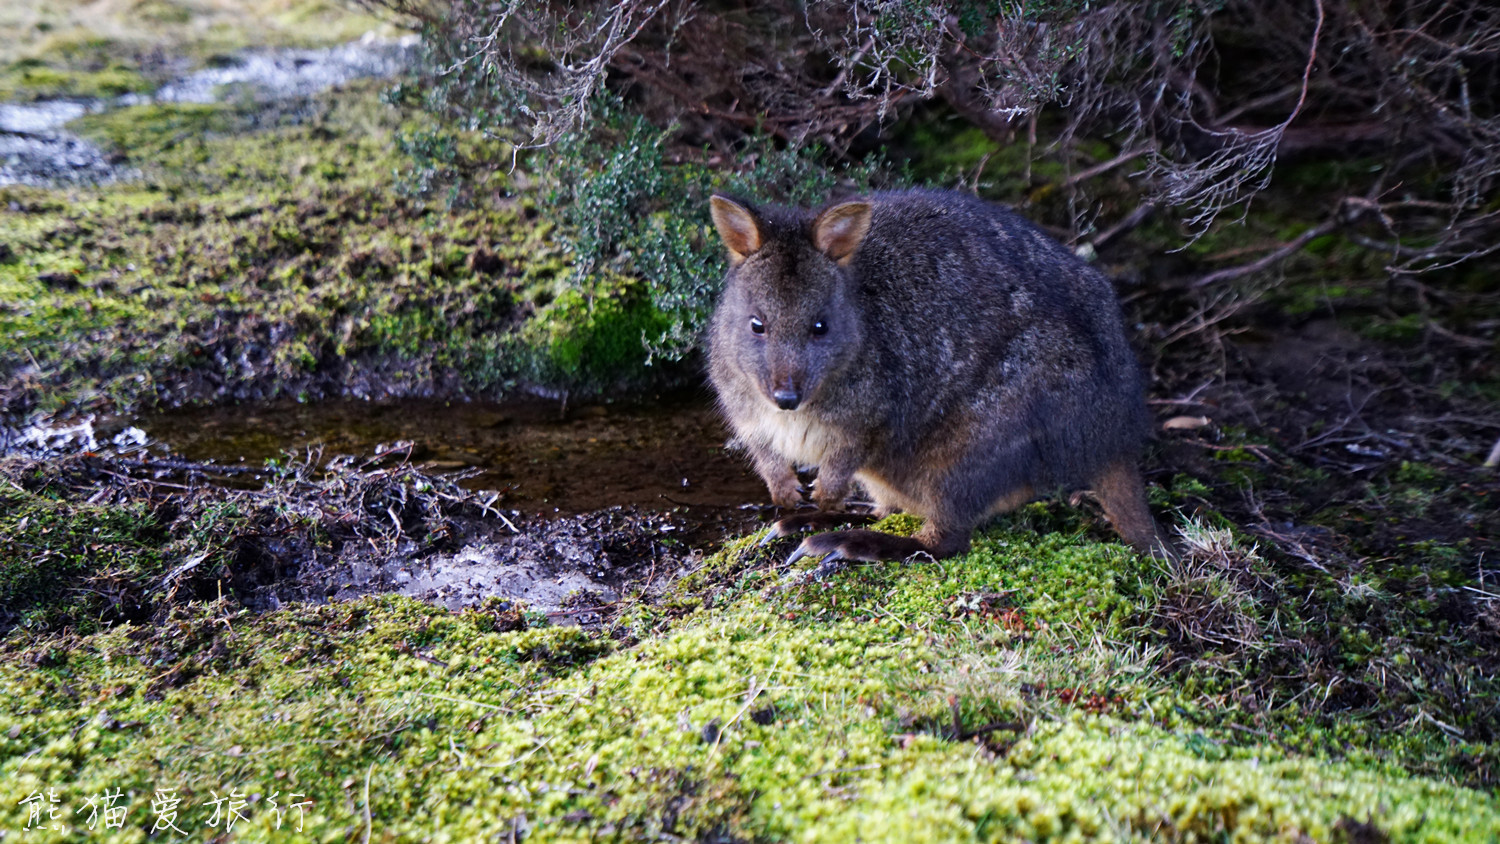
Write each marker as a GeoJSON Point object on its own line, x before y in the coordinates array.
{"type": "Point", "coordinates": [787, 399]}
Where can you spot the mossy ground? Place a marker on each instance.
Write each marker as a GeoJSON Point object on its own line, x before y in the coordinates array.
{"type": "Point", "coordinates": [104, 48]}
{"type": "Point", "coordinates": [1006, 695]}
{"type": "Point", "coordinates": [270, 251]}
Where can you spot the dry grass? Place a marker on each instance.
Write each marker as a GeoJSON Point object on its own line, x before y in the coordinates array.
{"type": "Point", "coordinates": [1216, 597]}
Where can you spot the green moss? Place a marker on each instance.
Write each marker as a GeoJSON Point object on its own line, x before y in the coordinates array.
{"type": "Point", "coordinates": [1022, 691]}
{"type": "Point", "coordinates": [596, 336]}
{"type": "Point", "coordinates": [951, 151]}
{"type": "Point", "coordinates": [815, 717]}
{"type": "Point", "coordinates": [70, 35]}
{"type": "Point", "coordinates": [1407, 329]}
{"type": "Point", "coordinates": [144, 132]}
{"type": "Point", "coordinates": [60, 563]}
{"type": "Point", "coordinates": [288, 244]}
{"type": "Point", "coordinates": [26, 81]}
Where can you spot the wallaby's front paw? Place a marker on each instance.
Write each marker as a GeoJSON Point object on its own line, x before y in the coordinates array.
{"type": "Point", "coordinates": [788, 495]}
{"type": "Point", "coordinates": [828, 503]}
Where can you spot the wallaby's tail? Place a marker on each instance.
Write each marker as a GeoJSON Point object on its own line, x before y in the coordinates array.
{"type": "Point", "coordinates": [1122, 493]}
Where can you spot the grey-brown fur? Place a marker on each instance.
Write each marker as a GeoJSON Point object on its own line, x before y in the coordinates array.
{"type": "Point", "coordinates": [970, 363]}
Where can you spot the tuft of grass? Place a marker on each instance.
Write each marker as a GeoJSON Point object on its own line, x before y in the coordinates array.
{"type": "Point", "coordinates": [70, 564]}
{"type": "Point", "coordinates": [1214, 598]}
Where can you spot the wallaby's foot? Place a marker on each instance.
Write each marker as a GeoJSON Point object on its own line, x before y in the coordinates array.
{"type": "Point", "coordinates": [870, 545]}
{"type": "Point", "coordinates": [805, 522]}
{"type": "Point", "coordinates": [837, 549]}
{"type": "Point", "coordinates": [826, 568]}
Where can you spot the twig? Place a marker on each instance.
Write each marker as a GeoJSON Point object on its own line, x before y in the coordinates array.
{"type": "Point", "coordinates": [831, 771]}
{"type": "Point", "coordinates": [1494, 459]}
{"type": "Point", "coordinates": [1017, 727]}
{"type": "Point", "coordinates": [1190, 399]}
{"type": "Point", "coordinates": [755, 691]}
{"type": "Point", "coordinates": [1132, 221]}
{"type": "Point", "coordinates": [183, 569]}
{"type": "Point", "coordinates": [1460, 339]}
{"type": "Point", "coordinates": [1254, 732]}
{"type": "Point", "coordinates": [1253, 448]}
{"type": "Point", "coordinates": [1256, 266]}
{"type": "Point", "coordinates": [151, 481]}
{"type": "Point", "coordinates": [1105, 166]}
{"type": "Point", "coordinates": [186, 466]}
{"type": "Point", "coordinates": [496, 707]}
{"type": "Point", "coordinates": [407, 649]}
{"type": "Point", "coordinates": [600, 608]}
{"type": "Point", "coordinates": [486, 507]}
{"type": "Point", "coordinates": [843, 74]}
{"type": "Point", "coordinates": [1256, 103]}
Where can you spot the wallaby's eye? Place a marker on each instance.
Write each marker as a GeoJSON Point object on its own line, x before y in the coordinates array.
{"type": "Point", "coordinates": [757, 326]}
{"type": "Point", "coordinates": [820, 328]}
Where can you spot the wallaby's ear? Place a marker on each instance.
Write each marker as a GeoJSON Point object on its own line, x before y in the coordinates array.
{"type": "Point", "coordinates": [838, 231]}
{"type": "Point", "coordinates": [737, 225]}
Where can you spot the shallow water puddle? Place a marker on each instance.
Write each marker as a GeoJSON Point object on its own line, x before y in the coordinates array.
{"type": "Point", "coordinates": [36, 149]}
{"type": "Point", "coordinates": [593, 504]}
{"type": "Point", "coordinates": [604, 498]}
{"type": "Point", "coordinates": [545, 461]}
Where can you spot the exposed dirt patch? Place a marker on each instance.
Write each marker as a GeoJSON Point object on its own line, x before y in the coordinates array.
{"type": "Point", "coordinates": [1316, 431]}
{"type": "Point", "coordinates": [575, 568]}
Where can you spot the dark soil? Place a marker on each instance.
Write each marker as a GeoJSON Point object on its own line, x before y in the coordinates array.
{"type": "Point", "coordinates": [1312, 425]}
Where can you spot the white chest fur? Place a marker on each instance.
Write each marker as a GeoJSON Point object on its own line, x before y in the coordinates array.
{"type": "Point", "coordinates": [797, 435]}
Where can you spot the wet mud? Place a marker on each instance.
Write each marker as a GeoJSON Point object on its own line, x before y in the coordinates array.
{"type": "Point", "coordinates": [584, 505]}
{"type": "Point", "coordinates": [574, 569]}
{"type": "Point", "coordinates": [562, 511]}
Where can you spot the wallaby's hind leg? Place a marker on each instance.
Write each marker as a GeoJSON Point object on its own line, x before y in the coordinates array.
{"type": "Point", "coordinates": [804, 522]}
{"type": "Point", "coordinates": [834, 549]}
{"type": "Point", "coordinates": [1122, 493]}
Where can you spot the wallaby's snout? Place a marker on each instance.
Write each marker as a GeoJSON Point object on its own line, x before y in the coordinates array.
{"type": "Point", "coordinates": [787, 383]}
